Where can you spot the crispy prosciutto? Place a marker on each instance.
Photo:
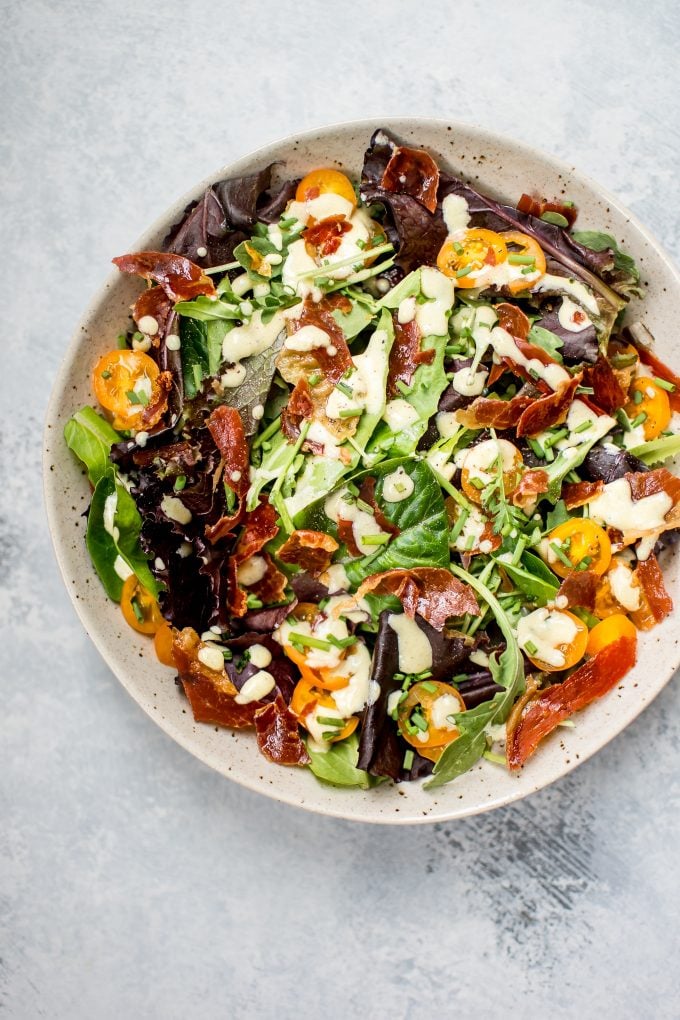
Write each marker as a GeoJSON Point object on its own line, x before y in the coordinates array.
{"type": "Point", "coordinates": [579, 493]}
{"type": "Point", "coordinates": [210, 692]}
{"type": "Point", "coordinates": [226, 428]}
{"type": "Point", "coordinates": [326, 236]}
{"type": "Point", "coordinates": [335, 359]}
{"type": "Point", "coordinates": [179, 278]}
{"type": "Point", "coordinates": [580, 589]}
{"type": "Point", "coordinates": [662, 371]}
{"type": "Point", "coordinates": [655, 602]}
{"type": "Point", "coordinates": [260, 527]}
{"type": "Point", "coordinates": [532, 484]}
{"type": "Point", "coordinates": [607, 394]}
{"type": "Point", "coordinates": [527, 415]}
{"type": "Point", "coordinates": [367, 494]}
{"type": "Point", "coordinates": [544, 710]}
{"type": "Point", "coordinates": [412, 172]}
{"type": "Point", "coordinates": [278, 737]}
{"type": "Point", "coordinates": [405, 355]}
{"type": "Point", "coordinates": [513, 320]}
{"type": "Point", "coordinates": [431, 592]}
{"type": "Point", "coordinates": [310, 550]}
{"type": "Point", "coordinates": [537, 206]}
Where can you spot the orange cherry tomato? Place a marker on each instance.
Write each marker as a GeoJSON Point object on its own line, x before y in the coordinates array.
{"type": "Point", "coordinates": [610, 630]}
{"type": "Point", "coordinates": [415, 717]}
{"type": "Point", "coordinates": [139, 607]}
{"type": "Point", "coordinates": [526, 247]}
{"type": "Point", "coordinates": [480, 463]}
{"type": "Point", "coordinates": [464, 259]}
{"type": "Point", "coordinates": [573, 651]}
{"type": "Point", "coordinates": [653, 402]}
{"type": "Point", "coordinates": [123, 382]}
{"type": "Point", "coordinates": [162, 643]}
{"type": "Point", "coordinates": [309, 699]}
{"type": "Point", "coordinates": [323, 182]}
{"type": "Point", "coordinates": [580, 541]}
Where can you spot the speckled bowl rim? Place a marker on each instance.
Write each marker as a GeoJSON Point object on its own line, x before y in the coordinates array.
{"type": "Point", "coordinates": [530, 781]}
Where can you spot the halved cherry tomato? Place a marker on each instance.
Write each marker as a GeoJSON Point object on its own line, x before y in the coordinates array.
{"type": "Point", "coordinates": [415, 717]}
{"type": "Point", "coordinates": [323, 182]}
{"type": "Point", "coordinates": [653, 402]}
{"type": "Point", "coordinates": [463, 259]}
{"type": "Point", "coordinates": [139, 607]}
{"type": "Point", "coordinates": [581, 541]}
{"type": "Point", "coordinates": [481, 460]}
{"type": "Point", "coordinates": [573, 651]}
{"type": "Point", "coordinates": [307, 698]}
{"type": "Point", "coordinates": [610, 630]}
{"type": "Point", "coordinates": [118, 375]}
{"type": "Point", "coordinates": [162, 643]}
{"type": "Point", "coordinates": [526, 247]}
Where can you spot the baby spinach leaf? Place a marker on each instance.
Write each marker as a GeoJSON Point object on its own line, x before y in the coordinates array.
{"type": "Point", "coordinates": [507, 671]}
{"type": "Point", "coordinates": [91, 437]}
{"type": "Point", "coordinates": [353, 322]}
{"type": "Point", "coordinates": [100, 544]}
{"type": "Point", "coordinates": [548, 341]}
{"type": "Point", "coordinates": [422, 522]}
{"type": "Point", "coordinates": [338, 765]}
{"type": "Point", "coordinates": [204, 309]}
{"type": "Point", "coordinates": [129, 524]}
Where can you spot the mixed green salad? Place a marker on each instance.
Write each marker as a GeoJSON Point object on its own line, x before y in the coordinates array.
{"type": "Point", "coordinates": [379, 466]}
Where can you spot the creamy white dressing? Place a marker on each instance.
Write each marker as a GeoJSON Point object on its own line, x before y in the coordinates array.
{"type": "Point", "coordinates": [440, 463]}
{"type": "Point", "coordinates": [109, 516]}
{"type": "Point", "coordinates": [320, 208]}
{"type": "Point", "coordinates": [406, 311]}
{"type": "Point", "coordinates": [309, 338]}
{"type": "Point", "coordinates": [241, 285]}
{"type": "Point", "coordinates": [251, 338]}
{"type": "Point", "coordinates": [447, 424]}
{"type": "Point", "coordinates": [299, 261]}
{"type": "Point", "coordinates": [256, 687]}
{"type": "Point", "coordinates": [398, 485]}
{"type": "Point", "coordinates": [211, 657]}
{"type": "Point", "coordinates": [399, 414]}
{"type": "Point", "coordinates": [173, 342]}
{"type": "Point", "coordinates": [414, 650]}
{"type": "Point", "coordinates": [251, 571]}
{"type": "Point", "coordinates": [433, 316]}
{"type": "Point", "coordinates": [634, 437]}
{"type": "Point", "coordinates": [624, 586]}
{"type": "Point", "coordinates": [471, 532]}
{"type": "Point", "coordinates": [233, 376]}
{"type": "Point", "coordinates": [505, 346]}
{"type": "Point", "coordinates": [577, 416]}
{"type": "Point", "coordinates": [568, 285]}
{"type": "Point", "coordinates": [122, 568]}
{"type": "Point", "coordinates": [468, 382]}
{"type": "Point", "coordinates": [359, 691]}
{"type": "Point", "coordinates": [572, 317]}
{"type": "Point", "coordinates": [641, 518]}
{"type": "Point", "coordinates": [480, 460]}
{"type": "Point", "coordinates": [546, 632]}
{"type": "Point", "coordinates": [366, 382]}
{"type": "Point", "coordinates": [363, 524]}
{"type": "Point", "coordinates": [175, 510]}
{"type": "Point", "coordinates": [335, 578]}
{"type": "Point", "coordinates": [442, 711]}
{"type": "Point", "coordinates": [456, 213]}
{"type": "Point", "coordinates": [147, 324]}
{"type": "Point", "coordinates": [479, 658]}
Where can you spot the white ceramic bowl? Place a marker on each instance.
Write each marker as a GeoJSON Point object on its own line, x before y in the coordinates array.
{"type": "Point", "coordinates": [495, 165]}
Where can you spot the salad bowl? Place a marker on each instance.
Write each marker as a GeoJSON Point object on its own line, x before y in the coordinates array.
{"type": "Point", "coordinates": [495, 166]}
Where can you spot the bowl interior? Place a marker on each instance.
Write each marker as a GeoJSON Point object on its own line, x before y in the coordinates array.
{"type": "Point", "coordinates": [500, 167]}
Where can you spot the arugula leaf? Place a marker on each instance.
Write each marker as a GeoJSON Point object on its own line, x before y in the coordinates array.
{"type": "Point", "coordinates": [656, 451]}
{"type": "Point", "coordinates": [91, 437]}
{"type": "Point", "coordinates": [205, 309]}
{"type": "Point", "coordinates": [558, 515]}
{"type": "Point", "coordinates": [566, 461]}
{"type": "Point", "coordinates": [507, 671]}
{"type": "Point", "coordinates": [422, 521]}
{"type": "Point", "coordinates": [548, 341]}
{"type": "Point", "coordinates": [533, 582]}
{"type": "Point", "coordinates": [597, 241]}
{"type": "Point", "coordinates": [338, 766]}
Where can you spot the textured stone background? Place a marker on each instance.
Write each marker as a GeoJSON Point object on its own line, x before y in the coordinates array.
{"type": "Point", "coordinates": [134, 882]}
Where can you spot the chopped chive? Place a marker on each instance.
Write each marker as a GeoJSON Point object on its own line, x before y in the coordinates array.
{"type": "Point", "coordinates": [521, 260]}
{"type": "Point", "coordinates": [341, 642]}
{"type": "Point", "coordinates": [329, 735]}
{"type": "Point", "coordinates": [586, 390]}
{"type": "Point", "coordinates": [121, 342]}
{"type": "Point", "coordinates": [361, 244]}
{"type": "Point", "coordinates": [469, 543]}
{"type": "Point", "coordinates": [561, 556]}
{"type": "Point", "coordinates": [568, 202]}
{"type": "Point", "coordinates": [638, 397]}
{"type": "Point", "coordinates": [429, 687]}
{"type": "Point", "coordinates": [408, 760]}
{"type": "Point", "coordinates": [465, 271]}
{"type": "Point", "coordinates": [419, 721]}
{"type": "Point", "coordinates": [458, 248]}
{"type": "Point", "coordinates": [344, 388]}
{"type": "Point", "coordinates": [549, 454]}
{"type": "Point", "coordinates": [315, 378]}
{"type": "Point", "coordinates": [351, 487]}
{"type": "Point", "coordinates": [137, 610]}
{"type": "Point", "coordinates": [267, 433]}
{"type": "Point", "coordinates": [623, 360]}
{"type": "Point", "coordinates": [638, 420]}
{"type": "Point", "coordinates": [375, 539]}
{"type": "Point", "coordinates": [106, 375]}
{"type": "Point", "coordinates": [557, 219]}
{"type": "Point", "coordinates": [329, 720]}
{"type": "Point", "coordinates": [537, 448]}
{"type": "Point", "coordinates": [180, 482]}
{"type": "Point", "coordinates": [228, 654]}
{"type": "Point", "coordinates": [253, 602]}
{"type": "Point", "coordinates": [458, 526]}
{"type": "Point", "coordinates": [528, 270]}
{"type": "Point", "coordinates": [306, 641]}
{"type": "Point", "coordinates": [623, 420]}
{"type": "Point", "coordinates": [403, 388]}
{"type": "Point", "coordinates": [664, 384]}
{"type": "Point", "coordinates": [366, 507]}
{"type": "Point", "coordinates": [351, 412]}
{"type": "Point", "coordinates": [584, 426]}
{"type": "Point", "coordinates": [556, 436]}
{"type": "Point", "coordinates": [531, 648]}
{"type": "Point", "coordinates": [477, 483]}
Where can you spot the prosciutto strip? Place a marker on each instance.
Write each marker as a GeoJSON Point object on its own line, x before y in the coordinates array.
{"type": "Point", "coordinates": [278, 737]}
{"type": "Point", "coordinates": [432, 592]}
{"type": "Point", "coordinates": [412, 172]}
{"type": "Point", "coordinates": [405, 355]}
{"type": "Point", "coordinates": [180, 279]}
{"type": "Point", "coordinates": [310, 550]}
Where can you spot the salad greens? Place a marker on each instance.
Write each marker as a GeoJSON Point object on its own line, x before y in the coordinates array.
{"type": "Point", "coordinates": [380, 463]}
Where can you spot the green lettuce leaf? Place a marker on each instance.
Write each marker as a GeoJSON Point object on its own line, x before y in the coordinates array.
{"type": "Point", "coordinates": [548, 341]}
{"type": "Point", "coordinates": [656, 451]}
{"type": "Point", "coordinates": [91, 437]}
{"type": "Point", "coordinates": [533, 578]}
{"type": "Point", "coordinates": [338, 765]}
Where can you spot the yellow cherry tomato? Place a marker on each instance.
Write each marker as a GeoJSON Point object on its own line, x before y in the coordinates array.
{"type": "Point", "coordinates": [476, 250]}
{"type": "Point", "coordinates": [139, 607]}
{"type": "Point", "coordinates": [123, 382]}
{"type": "Point", "coordinates": [308, 699]}
{"type": "Point", "coordinates": [416, 717]}
{"type": "Point", "coordinates": [581, 541]}
{"type": "Point", "coordinates": [610, 630]}
{"type": "Point", "coordinates": [323, 182]}
{"type": "Point", "coordinates": [573, 651]}
{"type": "Point", "coordinates": [479, 468]}
{"type": "Point", "coordinates": [527, 248]}
{"type": "Point", "coordinates": [162, 643]}
{"type": "Point", "coordinates": [652, 402]}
